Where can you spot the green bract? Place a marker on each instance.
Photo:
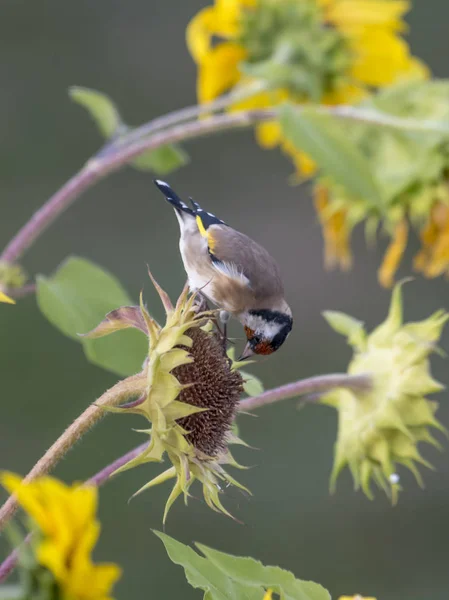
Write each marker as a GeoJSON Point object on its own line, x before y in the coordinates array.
{"type": "Point", "coordinates": [190, 398]}
{"type": "Point", "coordinates": [381, 428]}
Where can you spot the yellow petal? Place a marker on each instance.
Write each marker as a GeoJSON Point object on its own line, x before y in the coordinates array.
{"type": "Point", "coordinates": [259, 100]}
{"type": "Point", "coordinates": [417, 69]}
{"type": "Point", "coordinates": [200, 31]}
{"type": "Point", "coordinates": [231, 10]}
{"type": "Point", "coordinates": [221, 20]}
{"type": "Point", "coordinates": [268, 135]}
{"type": "Point", "coordinates": [26, 498]}
{"type": "Point", "coordinates": [7, 299]}
{"type": "Point", "coordinates": [219, 71]}
{"type": "Point", "coordinates": [362, 13]}
{"type": "Point", "coordinates": [336, 231]}
{"type": "Point", "coordinates": [393, 255]}
{"type": "Point", "coordinates": [381, 57]}
{"type": "Point", "coordinates": [347, 93]}
{"type": "Point", "coordinates": [304, 165]}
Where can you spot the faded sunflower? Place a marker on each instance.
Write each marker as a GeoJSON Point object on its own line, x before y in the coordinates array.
{"type": "Point", "coordinates": [190, 397]}
{"type": "Point", "coordinates": [411, 171]}
{"type": "Point", "coordinates": [380, 428]}
{"type": "Point", "coordinates": [323, 51]}
{"type": "Point", "coordinates": [64, 520]}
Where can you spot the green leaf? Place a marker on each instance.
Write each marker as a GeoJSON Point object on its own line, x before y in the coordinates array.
{"type": "Point", "coordinates": [317, 135]}
{"type": "Point", "coordinates": [76, 298]}
{"type": "Point", "coordinates": [100, 107]}
{"type": "Point", "coordinates": [251, 572]}
{"type": "Point", "coordinates": [162, 161]}
{"type": "Point", "coordinates": [222, 575]}
{"type": "Point", "coordinates": [200, 572]}
{"type": "Point", "coordinates": [253, 386]}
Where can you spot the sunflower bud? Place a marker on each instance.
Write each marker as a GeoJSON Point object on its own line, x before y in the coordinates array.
{"type": "Point", "coordinates": [190, 398]}
{"type": "Point", "coordinates": [380, 429]}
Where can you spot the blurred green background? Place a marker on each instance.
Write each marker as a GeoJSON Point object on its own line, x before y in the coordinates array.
{"type": "Point", "coordinates": [135, 51]}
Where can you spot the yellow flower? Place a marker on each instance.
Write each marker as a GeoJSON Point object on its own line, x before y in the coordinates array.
{"type": "Point", "coordinates": [410, 169]}
{"type": "Point", "coordinates": [325, 51]}
{"type": "Point", "coordinates": [335, 231]}
{"type": "Point", "coordinates": [190, 397]}
{"type": "Point", "coordinates": [7, 299]}
{"type": "Point", "coordinates": [65, 518]}
{"type": "Point", "coordinates": [380, 428]}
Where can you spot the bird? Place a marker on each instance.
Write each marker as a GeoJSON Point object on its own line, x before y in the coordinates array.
{"type": "Point", "coordinates": [235, 273]}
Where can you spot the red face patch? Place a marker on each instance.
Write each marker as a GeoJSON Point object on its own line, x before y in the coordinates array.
{"type": "Point", "coordinates": [264, 348]}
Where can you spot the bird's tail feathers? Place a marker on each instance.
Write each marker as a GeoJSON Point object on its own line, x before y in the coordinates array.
{"type": "Point", "coordinates": [196, 206]}
{"type": "Point", "coordinates": [173, 198]}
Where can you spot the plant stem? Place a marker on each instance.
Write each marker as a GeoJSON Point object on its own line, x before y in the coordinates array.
{"type": "Point", "coordinates": [98, 167]}
{"type": "Point", "coordinates": [310, 386]}
{"type": "Point", "coordinates": [169, 129]}
{"type": "Point", "coordinates": [122, 390]}
{"type": "Point", "coordinates": [192, 112]}
{"type": "Point", "coordinates": [103, 475]}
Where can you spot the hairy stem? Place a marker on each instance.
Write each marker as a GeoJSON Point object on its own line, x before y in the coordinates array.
{"type": "Point", "coordinates": [120, 391]}
{"type": "Point", "coordinates": [313, 387]}
{"type": "Point", "coordinates": [169, 129]}
{"type": "Point", "coordinates": [100, 166]}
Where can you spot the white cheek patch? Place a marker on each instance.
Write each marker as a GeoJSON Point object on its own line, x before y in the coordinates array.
{"type": "Point", "coordinates": [230, 270]}
{"type": "Point", "coordinates": [261, 327]}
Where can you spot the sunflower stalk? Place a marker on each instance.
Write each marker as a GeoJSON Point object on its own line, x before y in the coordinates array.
{"type": "Point", "coordinates": [132, 386]}
{"type": "Point", "coordinates": [175, 127]}
{"type": "Point", "coordinates": [307, 387]}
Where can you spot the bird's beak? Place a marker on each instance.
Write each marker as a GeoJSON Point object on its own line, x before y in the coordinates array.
{"type": "Point", "coordinates": [247, 353]}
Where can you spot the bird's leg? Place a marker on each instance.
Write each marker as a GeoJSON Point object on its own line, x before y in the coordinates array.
{"type": "Point", "coordinates": [201, 304]}
{"type": "Point", "coordinates": [224, 318]}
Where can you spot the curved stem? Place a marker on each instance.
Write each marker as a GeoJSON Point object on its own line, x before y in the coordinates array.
{"type": "Point", "coordinates": [98, 167]}
{"type": "Point", "coordinates": [115, 395]}
{"type": "Point", "coordinates": [192, 112]}
{"type": "Point", "coordinates": [312, 385]}
{"type": "Point", "coordinates": [156, 133]}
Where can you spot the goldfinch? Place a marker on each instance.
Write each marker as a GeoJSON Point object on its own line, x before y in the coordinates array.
{"type": "Point", "coordinates": [235, 273]}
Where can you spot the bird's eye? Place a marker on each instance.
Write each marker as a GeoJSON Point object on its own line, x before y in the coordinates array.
{"type": "Point", "coordinates": [256, 339]}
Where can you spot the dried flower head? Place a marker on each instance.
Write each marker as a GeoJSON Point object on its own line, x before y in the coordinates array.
{"type": "Point", "coordinates": [190, 397]}
{"type": "Point", "coordinates": [381, 428]}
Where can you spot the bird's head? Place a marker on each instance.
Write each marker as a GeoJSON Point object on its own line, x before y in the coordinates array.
{"type": "Point", "coordinates": [266, 330]}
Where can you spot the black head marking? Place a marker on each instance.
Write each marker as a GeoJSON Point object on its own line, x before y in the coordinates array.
{"type": "Point", "coordinates": [207, 218]}
{"type": "Point", "coordinates": [284, 321]}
